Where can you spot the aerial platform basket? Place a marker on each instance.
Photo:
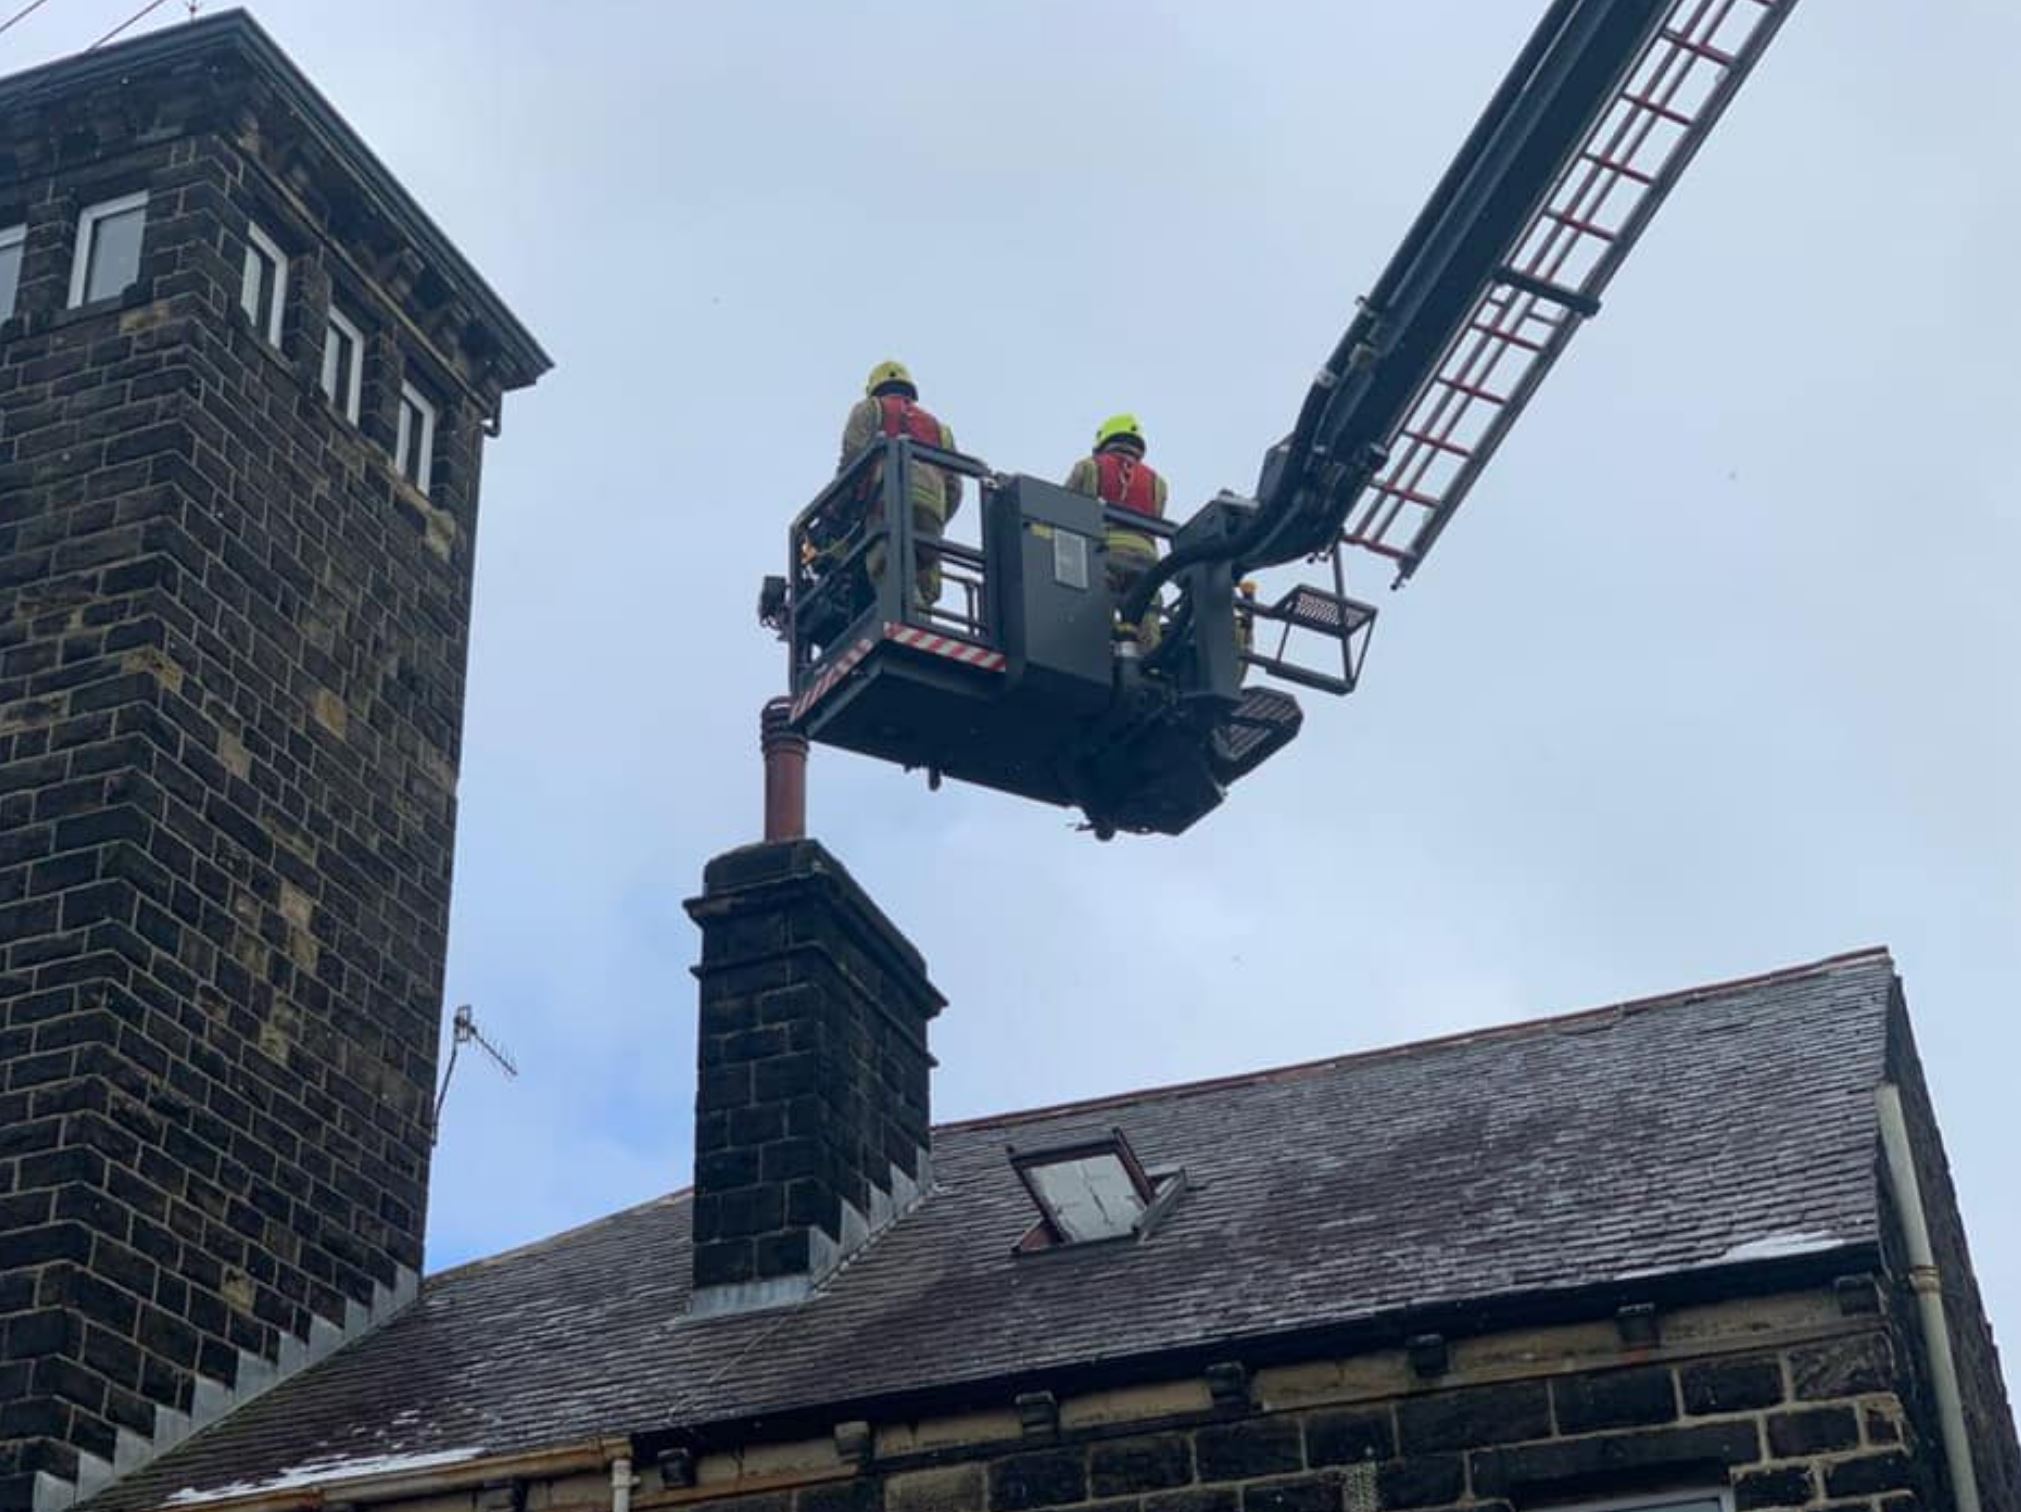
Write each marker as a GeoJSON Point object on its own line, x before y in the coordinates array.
{"type": "Point", "coordinates": [1011, 678]}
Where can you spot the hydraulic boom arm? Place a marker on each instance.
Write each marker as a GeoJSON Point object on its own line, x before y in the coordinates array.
{"type": "Point", "coordinates": [1020, 680]}
{"type": "Point", "coordinates": [1587, 133]}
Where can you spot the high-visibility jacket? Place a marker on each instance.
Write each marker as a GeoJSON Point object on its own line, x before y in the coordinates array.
{"type": "Point", "coordinates": [1116, 477]}
{"type": "Point", "coordinates": [933, 490]}
{"type": "Point", "coordinates": [1128, 483]}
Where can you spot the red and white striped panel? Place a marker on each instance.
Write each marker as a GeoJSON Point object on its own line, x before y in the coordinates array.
{"type": "Point", "coordinates": [912, 638]}
{"type": "Point", "coordinates": [966, 652]}
{"type": "Point", "coordinates": [838, 669]}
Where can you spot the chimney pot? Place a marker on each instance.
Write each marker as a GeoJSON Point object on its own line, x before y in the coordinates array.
{"type": "Point", "coordinates": [785, 751]}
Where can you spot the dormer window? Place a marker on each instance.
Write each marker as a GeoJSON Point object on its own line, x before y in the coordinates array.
{"type": "Point", "coordinates": [414, 441]}
{"type": "Point", "coordinates": [263, 292]}
{"type": "Point", "coordinates": [12, 239]}
{"type": "Point", "coordinates": [344, 364]}
{"type": "Point", "coordinates": [108, 249]}
{"type": "Point", "coordinates": [1091, 1191]}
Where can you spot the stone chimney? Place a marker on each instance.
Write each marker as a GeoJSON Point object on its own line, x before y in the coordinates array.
{"type": "Point", "coordinates": [812, 1106]}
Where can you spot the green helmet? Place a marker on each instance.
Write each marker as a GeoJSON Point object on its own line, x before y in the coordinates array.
{"type": "Point", "coordinates": [1119, 428]}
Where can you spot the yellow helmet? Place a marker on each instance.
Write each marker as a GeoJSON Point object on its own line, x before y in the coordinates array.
{"type": "Point", "coordinates": [889, 372]}
{"type": "Point", "coordinates": [1119, 428]}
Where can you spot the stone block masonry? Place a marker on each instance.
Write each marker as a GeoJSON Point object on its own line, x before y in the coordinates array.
{"type": "Point", "coordinates": [1818, 1425]}
{"type": "Point", "coordinates": [232, 646]}
{"type": "Point", "coordinates": [812, 1105]}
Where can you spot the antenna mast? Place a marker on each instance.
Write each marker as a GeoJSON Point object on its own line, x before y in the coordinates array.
{"type": "Point", "coordinates": [464, 1030]}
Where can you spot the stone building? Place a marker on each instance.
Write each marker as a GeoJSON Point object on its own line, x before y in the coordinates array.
{"type": "Point", "coordinates": [1661, 1254]}
{"type": "Point", "coordinates": [1691, 1253]}
{"type": "Point", "coordinates": [244, 388]}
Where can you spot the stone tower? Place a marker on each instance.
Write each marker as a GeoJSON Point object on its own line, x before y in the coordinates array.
{"type": "Point", "coordinates": [244, 386]}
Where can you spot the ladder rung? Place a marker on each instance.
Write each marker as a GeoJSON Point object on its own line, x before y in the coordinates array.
{"type": "Point", "coordinates": [1703, 49]}
{"type": "Point", "coordinates": [1615, 165]}
{"type": "Point", "coordinates": [1542, 288]}
{"type": "Point", "coordinates": [1509, 336]}
{"type": "Point", "coordinates": [1438, 442]}
{"type": "Point", "coordinates": [1656, 108]}
{"type": "Point", "coordinates": [1408, 495]}
{"type": "Point", "coordinates": [1505, 307]}
{"type": "Point", "coordinates": [1487, 396]}
{"type": "Point", "coordinates": [1369, 543]}
{"type": "Point", "coordinates": [1583, 227]}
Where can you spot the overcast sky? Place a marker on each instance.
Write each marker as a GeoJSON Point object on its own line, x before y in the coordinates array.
{"type": "Point", "coordinates": [1715, 673]}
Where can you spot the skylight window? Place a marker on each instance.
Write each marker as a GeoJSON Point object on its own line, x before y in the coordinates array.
{"type": "Point", "coordinates": [1091, 1191]}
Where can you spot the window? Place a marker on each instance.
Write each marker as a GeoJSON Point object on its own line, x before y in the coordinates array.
{"type": "Point", "coordinates": [414, 446]}
{"type": "Point", "coordinates": [1092, 1190]}
{"type": "Point", "coordinates": [343, 364]}
{"type": "Point", "coordinates": [11, 239]}
{"type": "Point", "coordinates": [1676, 1501]}
{"type": "Point", "coordinates": [264, 290]}
{"type": "Point", "coordinates": [108, 249]}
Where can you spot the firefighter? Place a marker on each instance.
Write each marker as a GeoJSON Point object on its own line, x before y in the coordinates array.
{"type": "Point", "coordinates": [1117, 474]}
{"type": "Point", "coordinates": [890, 407]}
{"type": "Point", "coordinates": [1245, 622]}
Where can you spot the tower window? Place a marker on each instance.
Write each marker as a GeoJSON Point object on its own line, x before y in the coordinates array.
{"type": "Point", "coordinates": [414, 445]}
{"type": "Point", "coordinates": [264, 289]}
{"type": "Point", "coordinates": [343, 364]}
{"type": "Point", "coordinates": [108, 249]}
{"type": "Point", "coordinates": [11, 240]}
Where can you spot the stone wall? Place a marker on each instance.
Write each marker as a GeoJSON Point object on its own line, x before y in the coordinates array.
{"type": "Point", "coordinates": [813, 1098]}
{"type": "Point", "coordinates": [1989, 1420]}
{"type": "Point", "coordinates": [1817, 1425]}
{"type": "Point", "coordinates": [232, 648]}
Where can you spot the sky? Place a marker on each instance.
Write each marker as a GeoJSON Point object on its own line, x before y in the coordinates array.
{"type": "Point", "coordinates": [1714, 674]}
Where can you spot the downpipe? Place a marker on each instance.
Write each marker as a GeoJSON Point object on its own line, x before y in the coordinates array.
{"type": "Point", "coordinates": [621, 1484]}
{"type": "Point", "coordinates": [1928, 1286]}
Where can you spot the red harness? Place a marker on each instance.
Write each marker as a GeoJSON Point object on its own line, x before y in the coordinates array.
{"type": "Point", "coordinates": [901, 417]}
{"type": "Point", "coordinates": [1126, 482]}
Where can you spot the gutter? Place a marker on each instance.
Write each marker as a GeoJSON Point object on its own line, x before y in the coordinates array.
{"type": "Point", "coordinates": [1928, 1284]}
{"type": "Point", "coordinates": [403, 1485]}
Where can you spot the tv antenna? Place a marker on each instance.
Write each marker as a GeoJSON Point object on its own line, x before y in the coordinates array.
{"type": "Point", "coordinates": [464, 1030]}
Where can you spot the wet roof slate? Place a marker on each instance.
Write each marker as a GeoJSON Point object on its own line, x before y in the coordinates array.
{"type": "Point", "coordinates": [1701, 1133]}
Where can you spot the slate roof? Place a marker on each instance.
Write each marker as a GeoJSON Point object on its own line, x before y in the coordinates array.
{"type": "Point", "coordinates": [1703, 1134]}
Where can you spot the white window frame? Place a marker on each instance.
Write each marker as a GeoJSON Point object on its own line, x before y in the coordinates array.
{"type": "Point", "coordinates": [1662, 1502]}
{"type": "Point", "coordinates": [349, 404]}
{"type": "Point", "coordinates": [424, 460]}
{"type": "Point", "coordinates": [87, 230]}
{"type": "Point", "coordinates": [16, 238]}
{"type": "Point", "coordinates": [257, 244]}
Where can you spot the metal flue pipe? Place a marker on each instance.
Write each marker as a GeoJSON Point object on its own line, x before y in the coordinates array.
{"type": "Point", "coordinates": [785, 751]}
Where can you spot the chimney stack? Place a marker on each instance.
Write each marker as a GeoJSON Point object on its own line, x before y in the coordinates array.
{"type": "Point", "coordinates": [812, 1105]}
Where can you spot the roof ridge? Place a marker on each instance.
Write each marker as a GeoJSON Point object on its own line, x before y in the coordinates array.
{"type": "Point", "coordinates": [1298, 1070]}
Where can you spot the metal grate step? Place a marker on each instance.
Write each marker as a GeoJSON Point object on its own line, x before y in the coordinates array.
{"type": "Point", "coordinates": [1262, 724]}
